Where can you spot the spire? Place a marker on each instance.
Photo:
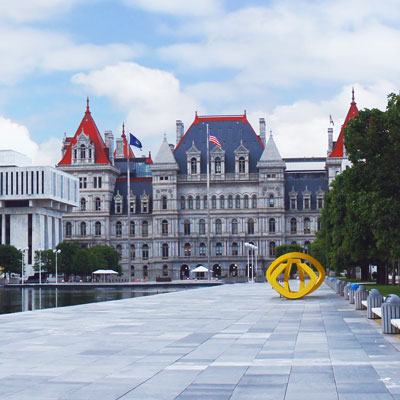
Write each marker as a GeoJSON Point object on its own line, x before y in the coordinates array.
{"type": "Point", "coordinates": [123, 130]}
{"type": "Point", "coordinates": [270, 156]}
{"type": "Point", "coordinates": [352, 96]}
{"type": "Point", "coordinates": [87, 106]}
{"type": "Point", "coordinates": [165, 156]}
{"type": "Point", "coordinates": [270, 133]}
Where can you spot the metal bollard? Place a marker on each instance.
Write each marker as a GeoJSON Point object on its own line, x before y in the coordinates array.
{"type": "Point", "coordinates": [360, 295]}
{"type": "Point", "coordinates": [390, 310]}
{"type": "Point", "coordinates": [374, 300]}
{"type": "Point", "coordinates": [346, 290]}
{"type": "Point", "coordinates": [352, 290]}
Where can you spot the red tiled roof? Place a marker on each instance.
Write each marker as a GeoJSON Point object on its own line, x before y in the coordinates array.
{"type": "Point", "coordinates": [338, 148]}
{"type": "Point", "coordinates": [89, 127]}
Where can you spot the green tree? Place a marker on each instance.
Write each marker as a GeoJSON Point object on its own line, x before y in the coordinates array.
{"type": "Point", "coordinates": [104, 257]}
{"type": "Point", "coordinates": [66, 258]}
{"type": "Point", "coordinates": [287, 248]}
{"type": "Point", "coordinates": [10, 259]}
{"type": "Point", "coordinates": [48, 260]}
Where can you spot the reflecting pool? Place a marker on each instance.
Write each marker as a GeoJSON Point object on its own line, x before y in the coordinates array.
{"type": "Point", "coordinates": [15, 299]}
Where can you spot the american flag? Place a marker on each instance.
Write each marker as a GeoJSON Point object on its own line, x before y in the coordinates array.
{"type": "Point", "coordinates": [214, 140]}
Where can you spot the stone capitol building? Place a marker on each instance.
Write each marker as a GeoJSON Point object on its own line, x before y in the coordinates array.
{"type": "Point", "coordinates": [165, 227]}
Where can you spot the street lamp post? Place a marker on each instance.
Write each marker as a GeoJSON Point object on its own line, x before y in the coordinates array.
{"type": "Point", "coordinates": [248, 247]}
{"type": "Point", "coordinates": [40, 266]}
{"type": "Point", "coordinates": [251, 248]}
{"type": "Point", "coordinates": [56, 252]}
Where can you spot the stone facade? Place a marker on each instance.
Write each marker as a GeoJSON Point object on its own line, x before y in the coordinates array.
{"type": "Point", "coordinates": [255, 196]}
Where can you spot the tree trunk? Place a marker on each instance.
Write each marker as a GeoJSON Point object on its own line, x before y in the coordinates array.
{"type": "Point", "coordinates": [365, 272]}
{"type": "Point", "coordinates": [394, 273]}
{"type": "Point", "coordinates": [380, 274]}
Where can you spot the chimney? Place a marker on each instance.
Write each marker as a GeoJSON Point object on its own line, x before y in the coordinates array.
{"type": "Point", "coordinates": [109, 142]}
{"type": "Point", "coordinates": [330, 140]}
{"type": "Point", "coordinates": [179, 130]}
{"type": "Point", "coordinates": [262, 130]}
{"type": "Point", "coordinates": [119, 151]}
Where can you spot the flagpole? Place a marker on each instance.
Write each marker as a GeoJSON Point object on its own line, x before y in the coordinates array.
{"type": "Point", "coordinates": [208, 203]}
{"type": "Point", "coordinates": [128, 148]}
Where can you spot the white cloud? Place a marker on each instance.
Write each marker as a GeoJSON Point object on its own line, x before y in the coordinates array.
{"type": "Point", "coordinates": [14, 136]}
{"type": "Point", "coordinates": [178, 7]}
{"type": "Point", "coordinates": [151, 98]}
{"type": "Point", "coordinates": [290, 43]}
{"type": "Point", "coordinates": [30, 10]}
{"type": "Point", "coordinates": [27, 50]}
{"type": "Point", "coordinates": [300, 129]}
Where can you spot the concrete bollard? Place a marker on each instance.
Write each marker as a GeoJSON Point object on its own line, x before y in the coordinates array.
{"type": "Point", "coordinates": [390, 310]}
{"type": "Point", "coordinates": [346, 290]}
{"type": "Point", "coordinates": [341, 288]}
{"type": "Point", "coordinates": [337, 286]}
{"type": "Point", "coordinates": [374, 300]}
{"type": "Point", "coordinates": [332, 285]}
{"type": "Point", "coordinates": [352, 290]}
{"type": "Point", "coordinates": [360, 295]}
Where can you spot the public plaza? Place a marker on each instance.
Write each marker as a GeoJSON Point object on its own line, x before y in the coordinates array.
{"type": "Point", "coordinates": [240, 341]}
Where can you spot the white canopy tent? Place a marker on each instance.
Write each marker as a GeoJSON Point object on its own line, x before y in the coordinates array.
{"type": "Point", "coordinates": [200, 268]}
{"type": "Point", "coordinates": [103, 273]}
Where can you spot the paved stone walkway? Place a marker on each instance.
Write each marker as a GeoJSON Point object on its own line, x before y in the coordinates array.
{"type": "Point", "coordinates": [234, 342]}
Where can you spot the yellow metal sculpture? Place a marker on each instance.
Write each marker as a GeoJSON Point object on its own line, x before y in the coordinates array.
{"type": "Point", "coordinates": [284, 264]}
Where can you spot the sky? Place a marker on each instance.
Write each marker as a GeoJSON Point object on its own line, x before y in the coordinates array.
{"type": "Point", "coordinates": [148, 63]}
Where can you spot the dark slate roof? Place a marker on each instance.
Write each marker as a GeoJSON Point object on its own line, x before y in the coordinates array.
{"type": "Point", "coordinates": [138, 186]}
{"type": "Point", "coordinates": [299, 181]}
{"type": "Point", "coordinates": [229, 130]}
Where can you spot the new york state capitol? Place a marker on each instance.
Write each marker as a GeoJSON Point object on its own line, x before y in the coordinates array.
{"type": "Point", "coordinates": [255, 196]}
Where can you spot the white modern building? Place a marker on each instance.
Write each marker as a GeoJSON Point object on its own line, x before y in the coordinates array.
{"type": "Point", "coordinates": [32, 202]}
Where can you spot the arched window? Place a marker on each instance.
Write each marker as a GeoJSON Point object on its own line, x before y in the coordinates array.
{"type": "Point", "coordinates": [97, 204]}
{"type": "Point", "coordinates": [83, 229]}
{"type": "Point", "coordinates": [68, 229]}
{"type": "Point", "coordinates": [133, 252]}
{"type": "Point", "coordinates": [234, 226]}
{"type": "Point", "coordinates": [218, 227]}
{"type": "Point", "coordinates": [118, 228]}
{"type": "Point", "coordinates": [145, 251]}
{"type": "Point", "coordinates": [214, 202]}
{"type": "Point", "coordinates": [205, 205]}
{"type": "Point", "coordinates": [235, 249]}
{"type": "Point", "coordinates": [218, 249]}
{"type": "Point", "coordinates": [202, 249]}
{"type": "Point", "coordinates": [165, 270]}
{"type": "Point", "coordinates": [165, 250]}
{"type": "Point", "coordinates": [164, 203]}
{"type": "Point", "coordinates": [83, 151]}
{"type": "Point", "coordinates": [307, 247]}
{"type": "Point", "coordinates": [132, 270]}
{"type": "Point", "coordinates": [230, 201]}
{"type": "Point", "coordinates": [97, 228]}
{"type": "Point", "coordinates": [242, 165]}
{"type": "Point", "coordinates": [319, 224]}
{"type": "Point", "coordinates": [193, 166]}
{"type": "Point", "coordinates": [187, 250]}
{"type": "Point", "coordinates": [293, 242]}
{"type": "Point", "coordinates": [222, 201]}
{"type": "Point", "coordinates": [198, 202]}
{"type": "Point", "coordinates": [118, 247]}
{"type": "Point", "coordinates": [217, 165]}
{"type": "Point", "coordinates": [246, 201]}
{"type": "Point", "coordinates": [237, 201]}
{"type": "Point", "coordinates": [271, 225]}
{"type": "Point", "coordinates": [83, 204]}
{"type": "Point", "coordinates": [272, 249]}
{"type": "Point", "coordinates": [145, 228]}
{"type": "Point", "coordinates": [202, 227]}
{"type": "Point", "coordinates": [186, 227]}
{"type": "Point", "coordinates": [182, 202]}
{"type": "Point", "coordinates": [254, 201]}
{"type": "Point", "coordinates": [271, 200]}
{"type": "Point", "coordinates": [133, 228]}
{"type": "Point", "coordinates": [164, 227]}
{"type": "Point", "coordinates": [250, 226]}
{"type": "Point", "coordinates": [190, 203]}
{"type": "Point", "coordinates": [307, 225]}
{"type": "Point", "coordinates": [145, 271]}
{"type": "Point", "coordinates": [293, 225]}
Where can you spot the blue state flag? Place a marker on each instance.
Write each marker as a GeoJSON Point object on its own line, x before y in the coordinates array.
{"type": "Point", "coordinates": [134, 141]}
